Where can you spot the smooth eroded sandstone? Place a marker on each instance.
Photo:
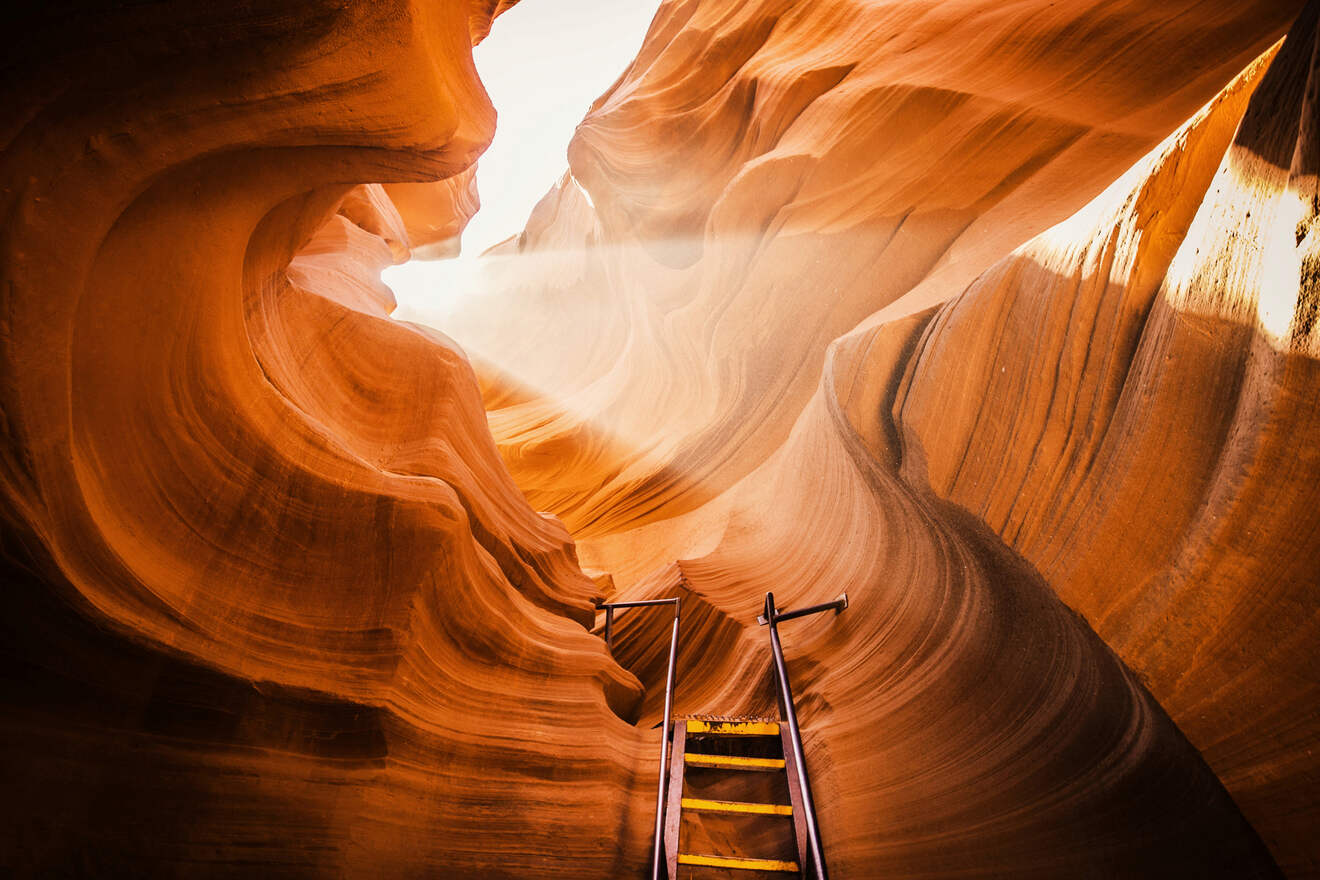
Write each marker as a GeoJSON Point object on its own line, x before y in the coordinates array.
{"type": "Point", "coordinates": [999, 317]}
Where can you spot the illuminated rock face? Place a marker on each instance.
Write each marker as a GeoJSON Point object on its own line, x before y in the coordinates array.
{"type": "Point", "coordinates": [767, 175]}
{"type": "Point", "coordinates": [1153, 451]}
{"type": "Point", "coordinates": [274, 605]}
{"type": "Point", "coordinates": [1119, 414]}
{"type": "Point", "coordinates": [973, 721]}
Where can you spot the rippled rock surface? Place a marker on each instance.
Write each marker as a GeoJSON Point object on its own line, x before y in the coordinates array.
{"type": "Point", "coordinates": [1001, 318]}
{"type": "Point", "coordinates": [273, 605]}
{"type": "Point", "coordinates": [903, 309]}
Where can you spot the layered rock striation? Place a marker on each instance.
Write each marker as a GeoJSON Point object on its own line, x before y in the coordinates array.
{"type": "Point", "coordinates": [272, 602]}
{"type": "Point", "coordinates": [1114, 418]}
{"type": "Point", "coordinates": [764, 177]}
{"type": "Point", "coordinates": [833, 296]}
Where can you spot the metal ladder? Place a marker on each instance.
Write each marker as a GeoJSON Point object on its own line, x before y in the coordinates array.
{"type": "Point", "coordinates": [674, 763]}
{"type": "Point", "coordinates": [731, 733]}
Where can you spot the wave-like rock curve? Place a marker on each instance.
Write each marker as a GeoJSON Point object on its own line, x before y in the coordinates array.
{"type": "Point", "coordinates": [763, 178]}
{"type": "Point", "coordinates": [272, 601]}
{"type": "Point", "coordinates": [1113, 415]}
{"type": "Point", "coordinates": [272, 598]}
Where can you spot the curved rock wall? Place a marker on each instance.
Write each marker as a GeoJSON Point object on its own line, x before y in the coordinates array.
{"type": "Point", "coordinates": [272, 602]}
{"type": "Point", "coordinates": [1116, 414]}
{"type": "Point", "coordinates": [959, 718]}
{"type": "Point", "coordinates": [1152, 452]}
{"type": "Point", "coordinates": [765, 176]}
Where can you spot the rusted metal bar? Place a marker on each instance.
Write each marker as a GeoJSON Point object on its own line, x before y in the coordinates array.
{"type": "Point", "coordinates": [772, 617]}
{"type": "Point", "coordinates": [664, 745]}
{"type": "Point", "coordinates": [657, 855]}
{"type": "Point", "coordinates": [795, 797]}
{"type": "Point", "coordinates": [638, 603]}
{"type": "Point", "coordinates": [836, 606]}
{"type": "Point", "coordinates": [674, 807]}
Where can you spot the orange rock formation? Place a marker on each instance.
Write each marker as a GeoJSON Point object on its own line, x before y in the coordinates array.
{"type": "Point", "coordinates": [834, 296]}
{"type": "Point", "coordinates": [1121, 402]}
{"type": "Point", "coordinates": [273, 604]}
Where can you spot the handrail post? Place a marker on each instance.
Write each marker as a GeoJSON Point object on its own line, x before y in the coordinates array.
{"type": "Point", "coordinates": [671, 676]}
{"type": "Point", "coordinates": [656, 856]}
{"type": "Point", "coordinates": [771, 618]}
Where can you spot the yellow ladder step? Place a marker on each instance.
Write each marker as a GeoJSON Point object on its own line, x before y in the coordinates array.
{"type": "Point", "coordinates": [730, 762]}
{"type": "Point", "coordinates": [734, 728]}
{"type": "Point", "coordinates": [744, 864]}
{"type": "Point", "coordinates": [702, 805]}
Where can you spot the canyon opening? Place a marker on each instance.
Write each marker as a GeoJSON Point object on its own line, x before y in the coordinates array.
{"type": "Point", "coordinates": [670, 439]}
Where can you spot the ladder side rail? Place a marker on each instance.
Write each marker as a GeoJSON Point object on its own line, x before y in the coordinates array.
{"type": "Point", "coordinates": [664, 744]}
{"type": "Point", "coordinates": [674, 810]}
{"type": "Point", "coordinates": [670, 676]}
{"type": "Point", "coordinates": [771, 619]}
{"type": "Point", "coordinates": [795, 798]}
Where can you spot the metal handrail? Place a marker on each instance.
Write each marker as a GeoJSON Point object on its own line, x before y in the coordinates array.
{"type": "Point", "coordinates": [772, 617]}
{"type": "Point", "coordinates": [669, 711]}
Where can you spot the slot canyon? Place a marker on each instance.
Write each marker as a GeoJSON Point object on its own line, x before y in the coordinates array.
{"type": "Point", "coordinates": [1000, 317]}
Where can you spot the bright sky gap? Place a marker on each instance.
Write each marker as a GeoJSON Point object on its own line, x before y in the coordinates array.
{"type": "Point", "coordinates": [541, 89]}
